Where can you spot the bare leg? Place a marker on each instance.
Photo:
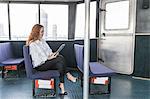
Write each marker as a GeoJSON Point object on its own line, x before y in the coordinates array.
{"type": "Point", "coordinates": [71, 78]}
{"type": "Point", "coordinates": [63, 92]}
{"type": "Point", "coordinates": [61, 85]}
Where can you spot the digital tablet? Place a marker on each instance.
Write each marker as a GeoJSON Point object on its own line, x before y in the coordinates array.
{"type": "Point", "coordinates": [60, 48]}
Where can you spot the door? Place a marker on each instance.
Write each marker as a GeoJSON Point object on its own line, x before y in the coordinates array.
{"type": "Point", "coordinates": [117, 34]}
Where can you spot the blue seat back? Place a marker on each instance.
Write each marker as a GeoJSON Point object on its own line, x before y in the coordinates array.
{"type": "Point", "coordinates": [5, 51]}
{"type": "Point", "coordinates": [79, 56]}
{"type": "Point", "coordinates": [27, 61]}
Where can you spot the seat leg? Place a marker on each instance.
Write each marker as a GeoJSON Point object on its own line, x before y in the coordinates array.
{"type": "Point", "coordinates": [109, 86]}
{"type": "Point", "coordinates": [90, 86]}
{"type": "Point", "coordinates": [33, 87]}
{"type": "Point", "coordinates": [55, 90]}
{"type": "Point", "coordinates": [18, 71]}
{"type": "Point", "coordinates": [82, 81]}
{"type": "Point", "coordinates": [3, 74]}
{"type": "Point", "coordinates": [81, 77]}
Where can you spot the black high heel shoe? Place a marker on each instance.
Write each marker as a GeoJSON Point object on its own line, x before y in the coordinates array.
{"type": "Point", "coordinates": [65, 93]}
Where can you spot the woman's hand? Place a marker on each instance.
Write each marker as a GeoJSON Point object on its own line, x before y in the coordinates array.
{"type": "Point", "coordinates": [53, 55]}
{"type": "Point", "coordinates": [56, 53]}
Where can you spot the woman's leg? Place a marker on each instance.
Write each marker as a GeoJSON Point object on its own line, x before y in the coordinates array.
{"type": "Point", "coordinates": [61, 86]}
{"type": "Point", "coordinates": [50, 64]}
{"type": "Point", "coordinates": [55, 64]}
{"type": "Point", "coordinates": [71, 77]}
{"type": "Point", "coordinates": [59, 67]}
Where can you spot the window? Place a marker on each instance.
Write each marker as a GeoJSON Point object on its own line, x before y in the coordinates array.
{"type": "Point", "coordinates": [80, 21]}
{"type": "Point", "coordinates": [22, 19]}
{"type": "Point", "coordinates": [54, 17]}
{"type": "Point", "coordinates": [4, 30]}
{"type": "Point", "coordinates": [117, 15]}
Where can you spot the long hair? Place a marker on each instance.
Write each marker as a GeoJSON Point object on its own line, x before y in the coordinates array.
{"type": "Point", "coordinates": [34, 35]}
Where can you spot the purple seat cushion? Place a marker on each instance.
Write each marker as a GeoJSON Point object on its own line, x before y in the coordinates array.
{"type": "Point", "coordinates": [13, 61]}
{"type": "Point", "coordinates": [97, 68]}
{"type": "Point", "coordinates": [45, 74]}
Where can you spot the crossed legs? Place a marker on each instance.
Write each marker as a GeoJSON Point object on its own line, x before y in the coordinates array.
{"type": "Point", "coordinates": [57, 64]}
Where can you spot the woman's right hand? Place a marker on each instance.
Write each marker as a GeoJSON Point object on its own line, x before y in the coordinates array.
{"type": "Point", "coordinates": [53, 55]}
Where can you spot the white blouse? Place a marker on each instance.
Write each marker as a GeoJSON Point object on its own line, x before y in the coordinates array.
{"type": "Point", "coordinates": [39, 51]}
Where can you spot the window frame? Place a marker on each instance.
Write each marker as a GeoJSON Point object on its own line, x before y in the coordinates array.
{"type": "Point", "coordinates": [95, 35]}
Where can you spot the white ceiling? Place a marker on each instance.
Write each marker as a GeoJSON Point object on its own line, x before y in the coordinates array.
{"type": "Point", "coordinates": [46, 0]}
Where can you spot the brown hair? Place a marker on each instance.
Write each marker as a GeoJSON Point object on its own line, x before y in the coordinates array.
{"type": "Point", "coordinates": [34, 35]}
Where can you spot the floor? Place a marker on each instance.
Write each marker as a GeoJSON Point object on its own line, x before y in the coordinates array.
{"type": "Point", "coordinates": [123, 87]}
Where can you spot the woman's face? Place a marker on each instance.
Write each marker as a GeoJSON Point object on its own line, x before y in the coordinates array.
{"type": "Point", "coordinates": [41, 33]}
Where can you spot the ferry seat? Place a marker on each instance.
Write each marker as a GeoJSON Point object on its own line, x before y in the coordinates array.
{"type": "Point", "coordinates": [8, 59]}
{"type": "Point", "coordinates": [96, 69]}
{"type": "Point", "coordinates": [38, 75]}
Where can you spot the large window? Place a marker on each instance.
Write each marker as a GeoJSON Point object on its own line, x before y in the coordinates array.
{"type": "Point", "coordinates": [80, 21]}
{"type": "Point", "coordinates": [54, 17]}
{"type": "Point", "coordinates": [4, 30]}
{"type": "Point", "coordinates": [117, 15]}
{"type": "Point", "coordinates": [22, 18]}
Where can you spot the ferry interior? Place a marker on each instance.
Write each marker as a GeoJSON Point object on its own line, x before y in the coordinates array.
{"type": "Point", "coordinates": [107, 47]}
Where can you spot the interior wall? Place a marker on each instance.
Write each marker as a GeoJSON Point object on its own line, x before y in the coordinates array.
{"type": "Point", "coordinates": [142, 40]}
{"type": "Point", "coordinates": [142, 56]}
{"type": "Point", "coordinates": [143, 18]}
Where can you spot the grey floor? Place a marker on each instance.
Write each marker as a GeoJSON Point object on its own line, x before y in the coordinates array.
{"type": "Point", "coordinates": [122, 87]}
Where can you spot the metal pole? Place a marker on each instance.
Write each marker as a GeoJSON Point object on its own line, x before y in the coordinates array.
{"type": "Point", "coordinates": [86, 50]}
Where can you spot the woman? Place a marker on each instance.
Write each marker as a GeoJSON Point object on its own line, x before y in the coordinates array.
{"type": "Point", "coordinates": [44, 59]}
